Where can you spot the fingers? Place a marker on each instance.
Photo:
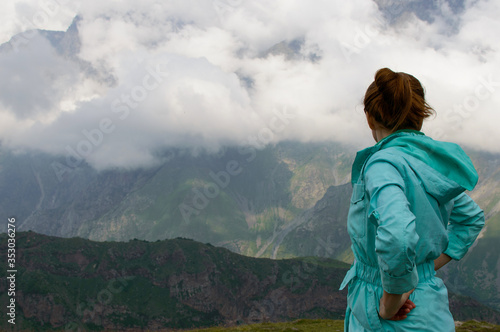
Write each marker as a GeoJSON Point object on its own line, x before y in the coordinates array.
{"type": "Point", "coordinates": [403, 312]}
{"type": "Point", "coordinates": [408, 305]}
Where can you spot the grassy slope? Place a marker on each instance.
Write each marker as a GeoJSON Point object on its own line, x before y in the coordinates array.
{"type": "Point", "coordinates": [307, 325]}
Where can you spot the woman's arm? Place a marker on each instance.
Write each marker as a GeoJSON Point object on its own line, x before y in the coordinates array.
{"type": "Point", "coordinates": [396, 237]}
{"type": "Point", "coordinates": [466, 221]}
{"type": "Point", "coordinates": [441, 261]}
{"type": "Point", "coordinates": [395, 240]}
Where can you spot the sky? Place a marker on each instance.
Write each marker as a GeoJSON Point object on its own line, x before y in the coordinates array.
{"type": "Point", "coordinates": [142, 77]}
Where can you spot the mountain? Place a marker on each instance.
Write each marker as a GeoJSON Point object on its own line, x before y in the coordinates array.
{"type": "Point", "coordinates": [478, 273]}
{"type": "Point", "coordinates": [76, 283]}
{"type": "Point", "coordinates": [398, 11]}
{"type": "Point", "coordinates": [320, 231]}
{"type": "Point", "coordinates": [283, 201]}
{"type": "Point", "coordinates": [66, 45]}
{"type": "Point", "coordinates": [71, 284]}
{"type": "Point", "coordinates": [189, 196]}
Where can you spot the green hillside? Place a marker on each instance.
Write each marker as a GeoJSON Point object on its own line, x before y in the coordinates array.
{"type": "Point", "coordinates": [73, 283]}
{"type": "Point", "coordinates": [67, 284]}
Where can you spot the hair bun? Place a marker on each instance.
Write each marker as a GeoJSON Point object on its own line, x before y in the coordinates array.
{"type": "Point", "coordinates": [398, 100]}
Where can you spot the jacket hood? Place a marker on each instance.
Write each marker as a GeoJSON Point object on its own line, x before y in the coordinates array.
{"type": "Point", "coordinates": [444, 168]}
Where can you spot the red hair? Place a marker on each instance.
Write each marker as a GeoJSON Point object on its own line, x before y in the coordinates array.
{"type": "Point", "coordinates": [396, 101]}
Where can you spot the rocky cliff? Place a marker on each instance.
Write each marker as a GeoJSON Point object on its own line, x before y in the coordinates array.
{"type": "Point", "coordinates": [76, 283]}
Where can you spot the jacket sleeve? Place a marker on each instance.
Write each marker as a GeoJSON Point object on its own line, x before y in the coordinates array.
{"type": "Point", "coordinates": [466, 221]}
{"type": "Point", "coordinates": [396, 237]}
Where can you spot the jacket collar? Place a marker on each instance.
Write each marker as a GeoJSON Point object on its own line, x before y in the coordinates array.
{"type": "Point", "coordinates": [363, 155]}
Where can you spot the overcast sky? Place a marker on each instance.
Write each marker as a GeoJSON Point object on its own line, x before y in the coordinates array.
{"type": "Point", "coordinates": [208, 74]}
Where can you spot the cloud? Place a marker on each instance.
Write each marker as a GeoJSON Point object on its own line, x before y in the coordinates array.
{"type": "Point", "coordinates": [21, 16]}
{"type": "Point", "coordinates": [203, 75]}
{"type": "Point", "coordinates": [33, 85]}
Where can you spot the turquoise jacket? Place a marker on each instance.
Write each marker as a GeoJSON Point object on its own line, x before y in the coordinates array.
{"type": "Point", "coordinates": [408, 206]}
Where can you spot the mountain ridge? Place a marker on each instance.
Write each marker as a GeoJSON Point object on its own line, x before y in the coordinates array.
{"type": "Point", "coordinates": [75, 283]}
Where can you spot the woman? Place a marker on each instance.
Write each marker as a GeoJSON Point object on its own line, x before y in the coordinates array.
{"type": "Point", "coordinates": [409, 214]}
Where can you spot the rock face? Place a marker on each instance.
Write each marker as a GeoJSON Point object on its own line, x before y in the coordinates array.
{"type": "Point", "coordinates": [75, 283]}
{"type": "Point", "coordinates": [465, 308]}
{"type": "Point", "coordinates": [243, 212]}
{"type": "Point", "coordinates": [320, 231]}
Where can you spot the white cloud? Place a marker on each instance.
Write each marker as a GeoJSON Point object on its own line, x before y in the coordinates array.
{"type": "Point", "coordinates": [215, 88]}
{"type": "Point", "coordinates": [19, 16]}
{"type": "Point", "coordinates": [32, 85]}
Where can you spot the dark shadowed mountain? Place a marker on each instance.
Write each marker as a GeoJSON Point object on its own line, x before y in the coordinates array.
{"type": "Point", "coordinates": [74, 284]}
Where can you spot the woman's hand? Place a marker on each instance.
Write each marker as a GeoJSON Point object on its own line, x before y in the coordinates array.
{"type": "Point", "coordinates": [404, 310]}
{"type": "Point", "coordinates": [395, 306]}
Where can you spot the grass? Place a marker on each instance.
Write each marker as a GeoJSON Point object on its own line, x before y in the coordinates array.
{"type": "Point", "coordinates": [310, 325]}
{"type": "Point", "coordinates": [475, 326]}
{"type": "Point", "coordinates": [306, 325]}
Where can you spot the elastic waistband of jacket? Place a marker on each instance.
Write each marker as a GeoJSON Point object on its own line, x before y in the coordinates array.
{"type": "Point", "coordinates": [371, 274]}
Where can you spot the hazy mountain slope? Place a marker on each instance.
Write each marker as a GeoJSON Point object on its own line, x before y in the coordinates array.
{"type": "Point", "coordinates": [322, 231]}
{"type": "Point", "coordinates": [188, 196]}
{"type": "Point", "coordinates": [397, 12]}
{"type": "Point", "coordinates": [478, 273]}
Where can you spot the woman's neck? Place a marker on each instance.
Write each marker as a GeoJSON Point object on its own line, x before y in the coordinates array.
{"type": "Point", "coordinates": [380, 133]}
